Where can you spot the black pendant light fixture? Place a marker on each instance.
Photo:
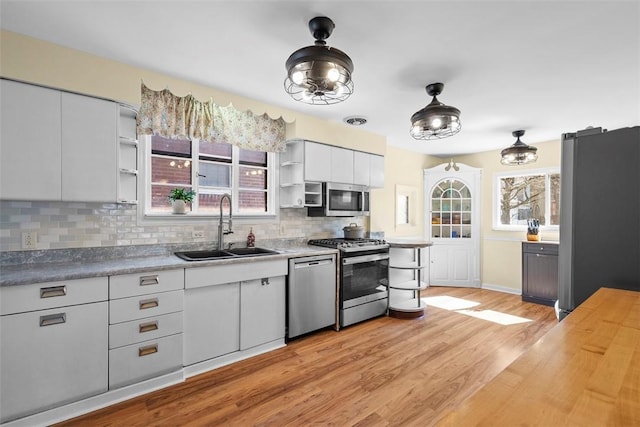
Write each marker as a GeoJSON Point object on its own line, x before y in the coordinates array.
{"type": "Point", "coordinates": [319, 74]}
{"type": "Point", "coordinates": [436, 120]}
{"type": "Point", "coordinates": [519, 153]}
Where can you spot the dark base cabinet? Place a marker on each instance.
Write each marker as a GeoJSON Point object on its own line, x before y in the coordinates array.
{"type": "Point", "coordinates": [540, 272]}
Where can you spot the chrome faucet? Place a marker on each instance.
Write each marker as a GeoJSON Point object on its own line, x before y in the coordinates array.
{"type": "Point", "coordinates": [221, 230]}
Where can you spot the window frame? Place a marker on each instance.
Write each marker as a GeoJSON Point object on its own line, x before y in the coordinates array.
{"type": "Point", "coordinates": [496, 225]}
{"type": "Point", "coordinates": [144, 185]}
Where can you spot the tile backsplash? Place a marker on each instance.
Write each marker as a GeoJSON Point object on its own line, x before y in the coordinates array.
{"type": "Point", "coordinates": [63, 225]}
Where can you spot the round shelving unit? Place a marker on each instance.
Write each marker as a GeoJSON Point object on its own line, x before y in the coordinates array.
{"type": "Point", "coordinates": [414, 307]}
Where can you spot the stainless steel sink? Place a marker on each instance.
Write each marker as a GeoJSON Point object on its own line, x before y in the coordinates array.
{"type": "Point", "coordinates": [251, 251]}
{"type": "Point", "coordinates": [211, 254]}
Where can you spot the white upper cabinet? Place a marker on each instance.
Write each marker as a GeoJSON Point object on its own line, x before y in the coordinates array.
{"type": "Point", "coordinates": [88, 149]}
{"type": "Point", "coordinates": [63, 146]}
{"type": "Point", "coordinates": [361, 168]}
{"type": "Point", "coordinates": [306, 164]}
{"type": "Point", "coordinates": [317, 162]}
{"type": "Point", "coordinates": [30, 151]}
{"type": "Point", "coordinates": [368, 169]}
{"type": "Point", "coordinates": [341, 165]}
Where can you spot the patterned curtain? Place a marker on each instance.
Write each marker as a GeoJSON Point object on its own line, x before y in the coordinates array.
{"type": "Point", "coordinates": [162, 113]}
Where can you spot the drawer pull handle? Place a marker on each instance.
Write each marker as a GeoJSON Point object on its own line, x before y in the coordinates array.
{"type": "Point", "coordinates": [148, 327]}
{"type": "Point", "coordinates": [265, 281]}
{"type": "Point", "coordinates": [149, 280]}
{"type": "Point", "coordinates": [53, 319]}
{"type": "Point", "coordinates": [150, 303]}
{"type": "Point", "coordinates": [53, 291]}
{"type": "Point", "coordinates": [145, 351]}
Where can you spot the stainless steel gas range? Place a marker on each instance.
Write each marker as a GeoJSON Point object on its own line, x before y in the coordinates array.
{"type": "Point", "coordinates": [364, 277]}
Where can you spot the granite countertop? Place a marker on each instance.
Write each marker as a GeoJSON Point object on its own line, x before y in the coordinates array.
{"type": "Point", "coordinates": [99, 262]}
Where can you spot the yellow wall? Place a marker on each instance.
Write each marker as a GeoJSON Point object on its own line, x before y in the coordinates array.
{"type": "Point", "coordinates": [403, 168]}
{"type": "Point", "coordinates": [501, 250]}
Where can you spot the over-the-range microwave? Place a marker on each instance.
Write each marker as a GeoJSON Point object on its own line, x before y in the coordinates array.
{"type": "Point", "coordinates": [342, 200]}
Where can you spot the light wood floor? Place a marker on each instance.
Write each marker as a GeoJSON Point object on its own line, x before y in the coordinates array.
{"type": "Point", "coordinates": [382, 372]}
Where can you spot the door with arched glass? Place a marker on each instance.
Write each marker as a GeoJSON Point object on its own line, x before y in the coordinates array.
{"type": "Point", "coordinates": [452, 223]}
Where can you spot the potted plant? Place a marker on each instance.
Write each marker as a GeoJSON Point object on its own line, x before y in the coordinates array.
{"type": "Point", "coordinates": [179, 197]}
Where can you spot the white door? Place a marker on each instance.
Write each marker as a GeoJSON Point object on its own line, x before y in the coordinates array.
{"type": "Point", "coordinates": [452, 223]}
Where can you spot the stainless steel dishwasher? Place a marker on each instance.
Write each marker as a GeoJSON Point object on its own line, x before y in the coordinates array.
{"type": "Point", "coordinates": [311, 294]}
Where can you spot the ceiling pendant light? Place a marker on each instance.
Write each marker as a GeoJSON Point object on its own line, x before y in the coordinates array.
{"type": "Point", "coordinates": [519, 153]}
{"type": "Point", "coordinates": [436, 120]}
{"type": "Point", "coordinates": [319, 74]}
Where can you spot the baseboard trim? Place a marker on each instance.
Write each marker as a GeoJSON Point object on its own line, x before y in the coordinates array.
{"type": "Point", "coordinates": [499, 288]}
{"type": "Point", "coordinates": [227, 359]}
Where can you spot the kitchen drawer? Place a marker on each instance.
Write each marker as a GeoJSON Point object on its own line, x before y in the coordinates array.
{"type": "Point", "coordinates": [41, 296]}
{"type": "Point", "coordinates": [142, 306]}
{"type": "Point", "coordinates": [150, 328]}
{"type": "Point", "coordinates": [128, 285]}
{"type": "Point", "coordinates": [540, 248]}
{"type": "Point", "coordinates": [138, 362]}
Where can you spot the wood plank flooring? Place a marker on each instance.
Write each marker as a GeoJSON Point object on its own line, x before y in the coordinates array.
{"type": "Point", "coordinates": [382, 372]}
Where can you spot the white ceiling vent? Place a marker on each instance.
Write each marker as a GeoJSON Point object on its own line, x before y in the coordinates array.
{"type": "Point", "coordinates": [355, 120]}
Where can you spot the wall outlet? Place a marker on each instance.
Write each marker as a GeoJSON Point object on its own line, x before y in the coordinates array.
{"type": "Point", "coordinates": [29, 239]}
{"type": "Point", "coordinates": [197, 234]}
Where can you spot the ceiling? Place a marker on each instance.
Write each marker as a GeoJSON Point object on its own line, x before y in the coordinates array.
{"type": "Point", "coordinates": [546, 67]}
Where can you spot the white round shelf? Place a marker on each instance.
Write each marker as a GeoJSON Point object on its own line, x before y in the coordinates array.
{"type": "Point", "coordinates": [410, 285]}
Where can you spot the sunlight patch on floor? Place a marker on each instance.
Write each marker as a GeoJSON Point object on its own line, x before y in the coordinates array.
{"type": "Point", "coordinates": [460, 305]}
{"type": "Point", "coordinates": [449, 303]}
{"type": "Point", "coordinates": [495, 316]}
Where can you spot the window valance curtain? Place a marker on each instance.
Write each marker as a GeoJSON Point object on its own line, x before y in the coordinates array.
{"type": "Point", "coordinates": [165, 114]}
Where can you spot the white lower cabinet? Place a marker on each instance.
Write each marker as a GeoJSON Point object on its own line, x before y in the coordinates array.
{"type": "Point", "coordinates": [145, 326]}
{"type": "Point", "coordinates": [262, 311]}
{"type": "Point", "coordinates": [211, 324]}
{"type": "Point", "coordinates": [53, 356]}
{"type": "Point", "coordinates": [231, 308]}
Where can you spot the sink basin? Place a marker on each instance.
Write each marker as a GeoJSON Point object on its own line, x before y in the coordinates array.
{"type": "Point", "coordinates": [211, 254]}
{"type": "Point", "coordinates": [204, 255]}
{"type": "Point", "coordinates": [251, 251]}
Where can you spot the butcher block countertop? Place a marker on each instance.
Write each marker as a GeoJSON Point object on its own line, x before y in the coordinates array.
{"type": "Point", "coordinates": [583, 372]}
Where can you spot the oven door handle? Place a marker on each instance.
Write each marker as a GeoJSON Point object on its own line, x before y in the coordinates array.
{"type": "Point", "coordinates": [364, 258]}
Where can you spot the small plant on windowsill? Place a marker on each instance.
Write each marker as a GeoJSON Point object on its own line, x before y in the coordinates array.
{"type": "Point", "coordinates": [179, 197]}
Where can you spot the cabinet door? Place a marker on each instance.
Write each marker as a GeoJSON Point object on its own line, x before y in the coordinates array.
{"type": "Point", "coordinates": [361, 167]}
{"type": "Point", "coordinates": [211, 322]}
{"type": "Point", "coordinates": [376, 176]}
{"type": "Point", "coordinates": [52, 357]}
{"type": "Point", "coordinates": [262, 315]}
{"type": "Point", "coordinates": [341, 165]}
{"type": "Point", "coordinates": [89, 149]}
{"type": "Point", "coordinates": [540, 278]}
{"type": "Point", "coordinates": [317, 160]}
{"type": "Point", "coordinates": [29, 142]}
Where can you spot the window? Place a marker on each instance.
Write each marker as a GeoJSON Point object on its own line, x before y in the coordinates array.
{"type": "Point", "coordinates": [210, 169]}
{"type": "Point", "coordinates": [528, 195]}
{"type": "Point", "coordinates": [451, 210]}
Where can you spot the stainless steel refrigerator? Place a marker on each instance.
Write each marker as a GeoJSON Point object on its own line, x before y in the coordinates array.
{"type": "Point", "coordinates": [599, 214]}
